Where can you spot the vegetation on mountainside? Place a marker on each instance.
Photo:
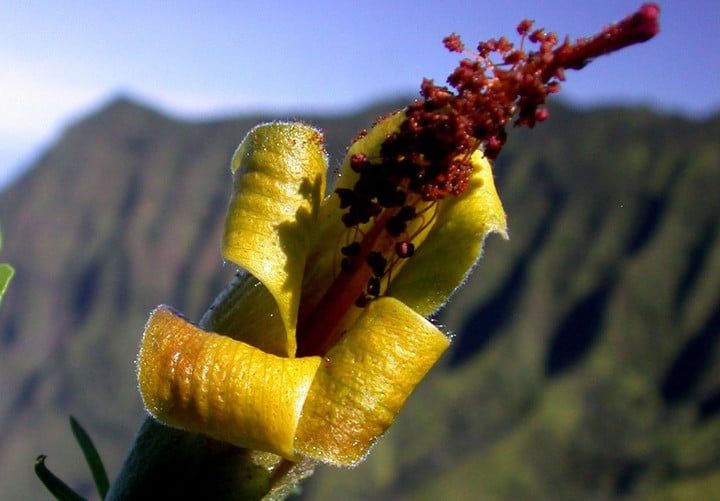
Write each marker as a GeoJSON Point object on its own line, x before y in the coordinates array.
{"type": "Point", "coordinates": [628, 191]}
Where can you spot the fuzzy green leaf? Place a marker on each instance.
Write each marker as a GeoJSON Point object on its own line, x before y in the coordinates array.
{"type": "Point", "coordinates": [92, 457]}
{"type": "Point", "coordinates": [6, 273]}
{"type": "Point", "coordinates": [59, 489]}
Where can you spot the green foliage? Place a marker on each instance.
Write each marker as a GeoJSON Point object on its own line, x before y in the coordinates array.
{"type": "Point", "coordinates": [92, 457]}
{"type": "Point", "coordinates": [60, 489]}
{"type": "Point", "coordinates": [700, 486]}
{"type": "Point", "coordinates": [6, 273]}
{"type": "Point", "coordinates": [57, 487]}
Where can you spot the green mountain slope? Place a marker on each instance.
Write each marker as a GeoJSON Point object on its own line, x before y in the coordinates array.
{"type": "Point", "coordinates": [585, 362]}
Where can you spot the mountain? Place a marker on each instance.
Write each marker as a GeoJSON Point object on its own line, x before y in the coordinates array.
{"type": "Point", "coordinates": [585, 362]}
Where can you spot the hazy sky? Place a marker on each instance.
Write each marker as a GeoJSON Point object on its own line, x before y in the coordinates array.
{"type": "Point", "coordinates": [61, 59]}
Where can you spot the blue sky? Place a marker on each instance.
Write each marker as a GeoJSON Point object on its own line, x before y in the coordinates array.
{"type": "Point", "coordinates": [61, 59]}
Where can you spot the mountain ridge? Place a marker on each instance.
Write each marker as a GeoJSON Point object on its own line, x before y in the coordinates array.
{"type": "Point", "coordinates": [613, 229]}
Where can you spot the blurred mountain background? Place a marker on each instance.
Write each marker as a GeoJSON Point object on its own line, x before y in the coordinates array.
{"type": "Point", "coordinates": [585, 363]}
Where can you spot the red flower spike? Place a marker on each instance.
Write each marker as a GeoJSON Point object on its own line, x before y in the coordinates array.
{"type": "Point", "coordinates": [428, 157]}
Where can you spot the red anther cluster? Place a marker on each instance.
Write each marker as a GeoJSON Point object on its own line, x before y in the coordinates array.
{"type": "Point", "coordinates": [428, 158]}
{"type": "Point", "coordinates": [453, 43]}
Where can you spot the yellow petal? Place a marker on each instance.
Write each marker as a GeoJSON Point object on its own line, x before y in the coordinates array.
{"type": "Point", "coordinates": [249, 313]}
{"type": "Point", "coordinates": [365, 380]}
{"type": "Point", "coordinates": [453, 245]}
{"type": "Point", "coordinates": [279, 180]}
{"type": "Point", "coordinates": [211, 384]}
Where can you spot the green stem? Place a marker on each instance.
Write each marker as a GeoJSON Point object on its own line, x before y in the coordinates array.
{"type": "Point", "coordinates": [166, 463]}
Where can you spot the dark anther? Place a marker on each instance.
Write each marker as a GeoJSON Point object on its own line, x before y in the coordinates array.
{"type": "Point", "coordinates": [359, 162]}
{"type": "Point", "coordinates": [398, 223]}
{"type": "Point", "coordinates": [364, 188]}
{"type": "Point", "coordinates": [348, 265]}
{"type": "Point", "coordinates": [362, 301]}
{"type": "Point", "coordinates": [406, 213]}
{"type": "Point", "coordinates": [351, 250]}
{"type": "Point", "coordinates": [392, 198]}
{"type": "Point", "coordinates": [377, 263]}
{"type": "Point", "coordinates": [364, 211]}
{"type": "Point", "coordinates": [373, 286]}
{"type": "Point", "coordinates": [404, 249]}
{"type": "Point", "coordinates": [350, 219]}
{"type": "Point", "coordinates": [347, 197]}
{"type": "Point", "coordinates": [395, 226]}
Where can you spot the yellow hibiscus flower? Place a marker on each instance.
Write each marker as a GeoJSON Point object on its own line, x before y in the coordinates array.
{"type": "Point", "coordinates": [249, 387]}
{"type": "Point", "coordinates": [325, 336]}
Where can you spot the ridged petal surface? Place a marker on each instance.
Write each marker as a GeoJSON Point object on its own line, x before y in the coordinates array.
{"type": "Point", "coordinates": [364, 381]}
{"type": "Point", "coordinates": [211, 384]}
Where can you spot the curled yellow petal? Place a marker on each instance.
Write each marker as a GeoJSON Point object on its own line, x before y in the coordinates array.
{"type": "Point", "coordinates": [365, 380]}
{"type": "Point", "coordinates": [453, 245]}
{"type": "Point", "coordinates": [279, 181]}
{"type": "Point", "coordinates": [207, 383]}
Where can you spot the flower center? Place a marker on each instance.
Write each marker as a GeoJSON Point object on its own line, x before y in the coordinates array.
{"type": "Point", "coordinates": [366, 269]}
